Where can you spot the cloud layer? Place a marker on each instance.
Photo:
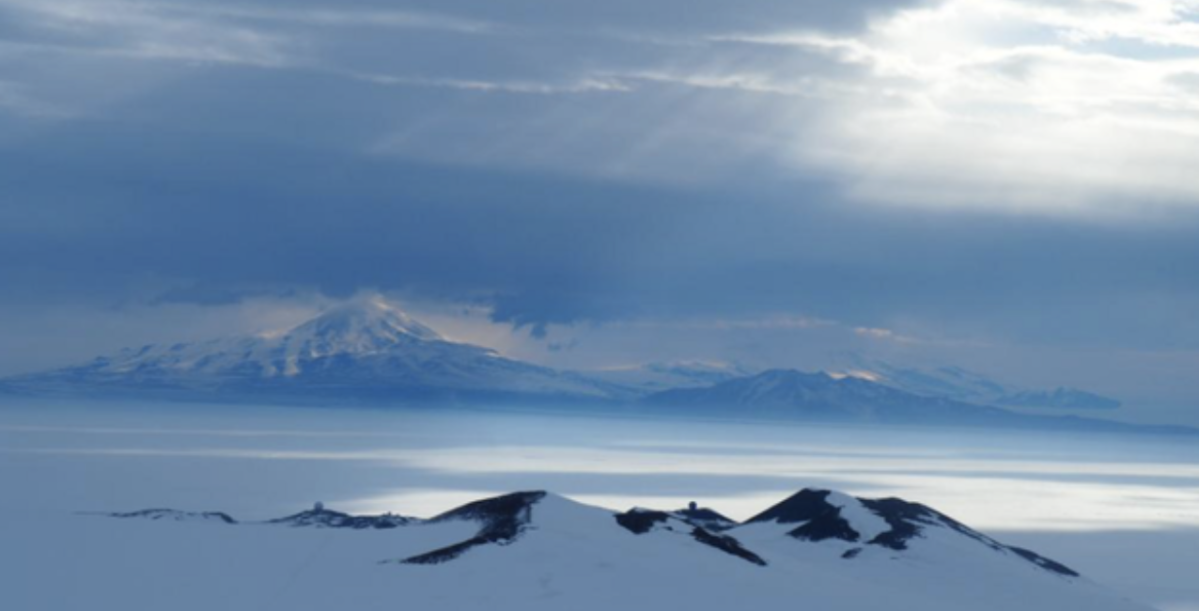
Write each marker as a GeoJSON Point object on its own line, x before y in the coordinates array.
{"type": "Point", "coordinates": [1003, 181]}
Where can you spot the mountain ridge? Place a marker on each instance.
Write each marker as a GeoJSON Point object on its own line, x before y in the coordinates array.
{"type": "Point", "coordinates": [821, 397]}
{"type": "Point", "coordinates": [366, 349]}
{"type": "Point", "coordinates": [369, 352]}
{"type": "Point", "coordinates": [812, 544]}
{"type": "Point", "coordinates": [972, 387]}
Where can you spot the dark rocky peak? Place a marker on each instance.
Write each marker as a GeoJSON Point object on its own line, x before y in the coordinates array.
{"type": "Point", "coordinates": [803, 506]}
{"type": "Point", "coordinates": [819, 519]}
{"type": "Point", "coordinates": [502, 520]}
{"type": "Point", "coordinates": [516, 506]}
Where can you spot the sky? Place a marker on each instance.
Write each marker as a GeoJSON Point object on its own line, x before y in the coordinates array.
{"type": "Point", "coordinates": [1006, 185]}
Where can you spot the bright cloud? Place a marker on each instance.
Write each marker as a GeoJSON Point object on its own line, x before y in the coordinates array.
{"type": "Point", "coordinates": [147, 31]}
{"type": "Point", "coordinates": [1078, 108]}
{"type": "Point", "coordinates": [1029, 107]}
{"type": "Point", "coordinates": [773, 185]}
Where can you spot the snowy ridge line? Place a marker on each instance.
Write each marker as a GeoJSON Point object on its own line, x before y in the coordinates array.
{"type": "Point", "coordinates": [367, 351]}
{"type": "Point", "coordinates": [370, 352]}
{"type": "Point", "coordinates": [503, 519]}
{"type": "Point", "coordinates": [641, 521]}
{"type": "Point", "coordinates": [837, 524]}
{"type": "Point", "coordinates": [538, 551]}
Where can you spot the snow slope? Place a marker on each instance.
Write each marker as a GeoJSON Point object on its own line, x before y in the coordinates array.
{"type": "Point", "coordinates": [364, 349]}
{"type": "Point", "coordinates": [964, 385]}
{"type": "Point", "coordinates": [534, 550]}
{"type": "Point", "coordinates": [654, 377]}
{"type": "Point", "coordinates": [821, 397]}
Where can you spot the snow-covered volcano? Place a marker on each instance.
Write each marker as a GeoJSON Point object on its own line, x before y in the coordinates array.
{"type": "Point", "coordinates": [364, 349]}
{"type": "Point", "coordinates": [360, 329]}
{"type": "Point", "coordinates": [534, 550]}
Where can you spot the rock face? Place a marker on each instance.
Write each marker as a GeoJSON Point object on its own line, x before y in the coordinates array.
{"type": "Point", "coordinates": [822, 515]}
{"type": "Point", "coordinates": [319, 517]}
{"type": "Point", "coordinates": [642, 521]}
{"type": "Point", "coordinates": [501, 520]}
{"type": "Point", "coordinates": [707, 518]}
{"type": "Point", "coordinates": [171, 515]}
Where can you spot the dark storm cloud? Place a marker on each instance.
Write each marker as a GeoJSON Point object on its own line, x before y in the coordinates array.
{"type": "Point", "coordinates": [232, 186]}
{"type": "Point", "coordinates": [557, 161]}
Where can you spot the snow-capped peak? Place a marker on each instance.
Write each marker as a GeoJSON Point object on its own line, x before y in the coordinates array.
{"type": "Point", "coordinates": [364, 321]}
{"type": "Point", "coordinates": [362, 349]}
{"type": "Point", "coordinates": [359, 327]}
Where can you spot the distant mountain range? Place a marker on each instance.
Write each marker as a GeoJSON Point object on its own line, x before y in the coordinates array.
{"type": "Point", "coordinates": [815, 549]}
{"type": "Point", "coordinates": [820, 397]}
{"type": "Point", "coordinates": [369, 351]}
{"type": "Point", "coordinates": [971, 387]}
{"type": "Point", "coordinates": [654, 377]}
{"type": "Point", "coordinates": [945, 382]}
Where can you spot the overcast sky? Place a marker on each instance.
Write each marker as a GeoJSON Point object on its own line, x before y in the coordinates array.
{"type": "Point", "coordinates": [1008, 185]}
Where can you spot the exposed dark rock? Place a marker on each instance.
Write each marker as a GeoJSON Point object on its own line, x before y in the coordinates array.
{"type": "Point", "coordinates": [904, 519]}
{"type": "Point", "coordinates": [825, 528]}
{"type": "Point", "coordinates": [175, 515]}
{"type": "Point", "coordinates": [907, 521]}
{"type": "Point", "coordinates": [502, 514]}
{"type": "Point", "coordinates": [710, 520]}
{"type": "Point", "coordinates": [503, 518]}
{"type": "Point", "coordinates": [640, 521]}
{"type": "Point", "coordinates": [819, 519]}
{"type": "Point", "coordinates": [807, 504]}
{"type": "Point", "coordinates": [1043, 562]}
{"type": "Point", "coordinates": [449, 552]}
{"type": "Point", "coordinates": [320, 517]}
{"type": "Point", "coordinates": [727, 545]}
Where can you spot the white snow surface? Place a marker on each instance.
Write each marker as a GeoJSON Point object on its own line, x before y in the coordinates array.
{"type": "Point", "coordinates": [658, 376]}
{"type": "Point", "coordinates": [569, 557]}
{"type": "Point", "coordinates": [360, 328]}
{"type": "Point", "coordinates": [365, 343]}
{"type": "Point", "coordinates": [868, 524]}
